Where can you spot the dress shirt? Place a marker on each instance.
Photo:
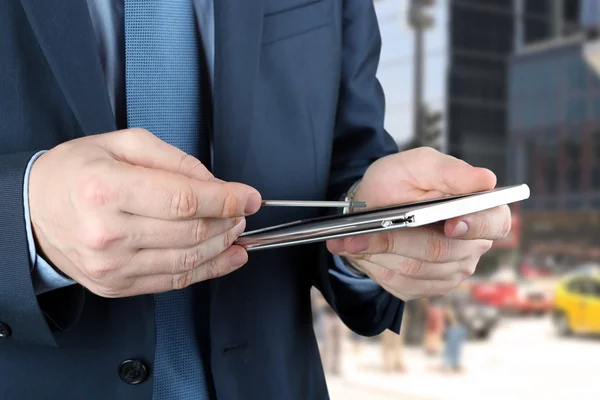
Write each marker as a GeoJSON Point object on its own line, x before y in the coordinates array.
{"type": "Point", "coordinates": [108, 22]}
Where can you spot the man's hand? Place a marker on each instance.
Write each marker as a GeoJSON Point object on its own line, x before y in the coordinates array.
{"type": "Point", "coordinates": [124, 213]}
{"type": "Point", "coordinates": [425, 261]}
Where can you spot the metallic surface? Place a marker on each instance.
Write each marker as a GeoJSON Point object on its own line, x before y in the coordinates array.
{"type": "Point", "coordinates": [379, 220]}
{"type": "Point", "coordinates": [307, 203]}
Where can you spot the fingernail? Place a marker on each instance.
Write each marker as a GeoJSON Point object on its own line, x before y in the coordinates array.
{"type": "Point", "coordinates": [336, 246]}
{"type": "Point", "coordinates": [357, 244]}
{"type": "Point", "coordinates": [240, 226]}
{"type": "Point", "coordinates": [252, 204]}
{"type": "Point", "coordinates": [460, 229]}
{"type": "Point", "coordinates": [239, 258]}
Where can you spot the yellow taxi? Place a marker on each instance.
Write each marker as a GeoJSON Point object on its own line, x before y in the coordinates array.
{"type": "Point", "coordinates": [577, 304]}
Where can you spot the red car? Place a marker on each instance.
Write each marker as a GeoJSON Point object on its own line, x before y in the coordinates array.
{"type": "Point", "coordinates": [519, 297]}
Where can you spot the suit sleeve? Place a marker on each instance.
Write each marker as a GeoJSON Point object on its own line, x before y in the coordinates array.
{"type": "Point", "coordinates": [360, 139]}
{"type": "Point", "coordinates": [45, 277]}
{"type": "Point", "coordinates": [33, 319]}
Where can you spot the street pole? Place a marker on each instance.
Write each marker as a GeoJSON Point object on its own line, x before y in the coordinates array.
{"type": "Point", "coordinates": [418, 84]}
{"type": "Point", "coordinates": [420, 21]}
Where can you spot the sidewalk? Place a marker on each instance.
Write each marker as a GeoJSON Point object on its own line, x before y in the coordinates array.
{"type": "Point", "coordinates": [523, 360]}
{"type": "Point", "coordinates": [363, 377]}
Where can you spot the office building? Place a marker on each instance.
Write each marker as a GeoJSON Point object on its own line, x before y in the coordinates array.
{"type": "Point", "coordinates": [480, 41]}
{"type": "Point", "coordinates": [554, 144]}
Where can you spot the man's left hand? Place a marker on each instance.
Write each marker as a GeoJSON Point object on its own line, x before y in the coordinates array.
{"type": "Point", "coordinates": [432, 260]}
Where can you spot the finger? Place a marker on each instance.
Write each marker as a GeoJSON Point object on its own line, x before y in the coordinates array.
{"type": "Point", "coordinates": [165, 195]}
{"type": "Point", "coordinates": [421, 243]}
{"type": "Point", "coordinates": [406, 288]}
{"type": "Point", "coordinates": [150, 233]}
{"type": "Point", "coordinates": [140, 147]}
{"type": "Point", "coordinates": [489, 224]}
{"type": "Point", "coordinates": [436, 171]}
{"type": "Point", "coordinates": [178, 261]}
{"type": "Point", "coordinates": [418, 269]}
{"type": "Point", "coordinates": [230, 260]}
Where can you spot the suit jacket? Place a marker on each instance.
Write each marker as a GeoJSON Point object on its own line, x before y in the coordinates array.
{"type": "Point", "coordinates": [298, 114]}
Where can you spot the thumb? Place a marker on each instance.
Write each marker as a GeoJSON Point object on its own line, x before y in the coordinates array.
{"type": "Point", "coordinates": [140, 147]}
{"type": "Point", "coordinates": [449, 175]}
{"type": "Point", "coordinates": [458, 177]}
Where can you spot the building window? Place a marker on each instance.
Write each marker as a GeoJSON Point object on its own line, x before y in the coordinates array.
{"type": "Point", "coordinates": [575, 74]}
{"type": "Point", "coordinates": [596, 167]}
{"type": "Point", "coordinates": [529, 164]}
{"type": "Point", "coordinates": [596, 106]}
{"type": "Point", "coordinates": [548, 149]}
{"type": "Point", "coordinates": [573, 165]}
{"type": "Point", "coordinates": [575, 112]}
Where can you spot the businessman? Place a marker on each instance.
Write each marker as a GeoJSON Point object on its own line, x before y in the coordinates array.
{"type": "Point", "coordinates": [137, 139]}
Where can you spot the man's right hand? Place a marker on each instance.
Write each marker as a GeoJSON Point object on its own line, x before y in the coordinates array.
{"type": "Point", "coordinates": [125, 213]}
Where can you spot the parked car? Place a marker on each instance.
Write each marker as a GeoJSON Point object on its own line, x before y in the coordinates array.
{"type": "Point", "coordinates": [514, 297]}
{"type": "Point", "coordinates": [481, 319]}
{"type": "Point", "coordinates": [577, 304]}
{"type": "Point", "coordinates": [530, 299]}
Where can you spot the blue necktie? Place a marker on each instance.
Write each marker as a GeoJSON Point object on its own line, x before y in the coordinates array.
{"type": "Point", "coordinates": [163, 90]}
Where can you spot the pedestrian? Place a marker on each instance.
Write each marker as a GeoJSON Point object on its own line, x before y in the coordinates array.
{"type": "Point", "coordinates": [392, 348]}
{"type": "Point", "coordinates": [332, 341]}
{"type": "Point", "coordinates": [434, 327]}
{"type": "Point", "coordinates": [456, 328]}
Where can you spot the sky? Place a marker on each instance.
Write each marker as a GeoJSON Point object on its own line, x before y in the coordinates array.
{"type": "Point", "coordinates": [396, 65]}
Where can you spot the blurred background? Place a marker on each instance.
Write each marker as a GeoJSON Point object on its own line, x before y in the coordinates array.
{"type": "Point", "coordinates": [514, 86]}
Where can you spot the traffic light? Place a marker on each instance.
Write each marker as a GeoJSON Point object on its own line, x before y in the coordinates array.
{"type": "Point", "coordinates": [417, 18]}
{"type": "Point", "coordinates": [430, 132]}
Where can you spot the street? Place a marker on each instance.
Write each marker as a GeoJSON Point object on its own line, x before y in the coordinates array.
{"type": "Point", "coordinates": [523, 359]}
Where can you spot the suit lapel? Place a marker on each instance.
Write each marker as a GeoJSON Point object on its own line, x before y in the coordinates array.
{"type": "Point", "coordinates": [238, 32]}
{"type": "Point", "coordinates": [65, 33]}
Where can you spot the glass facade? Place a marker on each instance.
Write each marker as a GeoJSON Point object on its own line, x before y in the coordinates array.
{"type": "Point", "coordinates": [481, 38]}
{"type": "Point", "coordinates": [554, 128]}
{"type": "Point", "coordinates": [528, 117]}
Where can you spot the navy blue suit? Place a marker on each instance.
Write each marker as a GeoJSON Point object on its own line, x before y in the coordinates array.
{"type": "Point", "coordinates": [298, 114]}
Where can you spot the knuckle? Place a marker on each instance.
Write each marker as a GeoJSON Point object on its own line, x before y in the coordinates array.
{"type": "Point", "coordinates": [201, 231]}
{"type": "Point", "coordinates": [213, 270]}
{"type": "Point", "coordinates": [426, 150]}
{"type": "Point", "coordinates": [108, 291]}
{"type": "Point", "coordinates": [386, 275]}
{"type": "Point", "coordinates": [467, 269]}
{"type": "Point", "coordinates": [191, 259]}
{"type": "Point", "coordinates": [388, 242]}
{"type": "Point", "coordinates": [228, 239]}
{"type": "Point", "coordinates": [437, 248]}
{"type": "Point", "coordinates": [182, 280]}
{"type": "Point", "coordinates": [188, 163]}
{"type": "Point", "coordinates": [98, 237]}
{"type": "Point", "coordinates": [484, 227]}
{"type": "Point", "coordinates": [485, 246]}
{"type": "Point", "coordinates": [411, 267]}
{"type": "Point", "coordinates": [97, 270]}
{"type": "Point", "coordinates": [506, 227]}
{"type": "Point", "coordinates": [229, 205]}
{"type": "Point", "coordinates": [184, 203]}
{"type": "Point", "coordinates": [136, 133]}
{"type": "Point", "coordinates": [94, 191]}
{"type": "Point", "coordinates": [471, 267]}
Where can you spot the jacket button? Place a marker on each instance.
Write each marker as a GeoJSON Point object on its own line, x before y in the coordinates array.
{"type": "Point", "coordinates": [5, 330]}
{"type": "Point", "coordinates": [133, 372]}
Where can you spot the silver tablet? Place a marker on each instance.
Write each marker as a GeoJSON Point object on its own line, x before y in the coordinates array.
{"type": "Point", "coordinates": [379, 220]}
